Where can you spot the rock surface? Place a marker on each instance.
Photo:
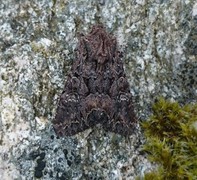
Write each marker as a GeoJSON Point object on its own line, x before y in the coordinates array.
{"type": "Point", "coordinates": [37, 43]}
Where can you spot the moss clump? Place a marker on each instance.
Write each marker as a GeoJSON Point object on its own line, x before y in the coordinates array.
{"type": "Point", "coordinates": [171, 134]}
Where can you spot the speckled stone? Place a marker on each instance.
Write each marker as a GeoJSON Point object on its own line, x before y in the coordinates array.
{"type": "Point", "coordinates": [37, 46]}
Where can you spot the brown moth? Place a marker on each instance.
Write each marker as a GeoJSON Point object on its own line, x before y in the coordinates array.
{"type": "Point", "coordinates": [96, 90]}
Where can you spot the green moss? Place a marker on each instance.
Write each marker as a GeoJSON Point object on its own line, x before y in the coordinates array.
{"type": "Point", "coordinates": [171, 134]}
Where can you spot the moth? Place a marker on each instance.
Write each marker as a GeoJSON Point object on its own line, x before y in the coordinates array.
{"type": "Point", "coordinates": [96, 90]}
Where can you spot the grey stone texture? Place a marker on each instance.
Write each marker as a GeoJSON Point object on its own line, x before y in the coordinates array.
{"type": "Point", "coordinates": [37, 46]}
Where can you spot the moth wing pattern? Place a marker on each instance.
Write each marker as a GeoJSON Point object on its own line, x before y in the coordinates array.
{"type": "Point", "coordinates": [96, 90]}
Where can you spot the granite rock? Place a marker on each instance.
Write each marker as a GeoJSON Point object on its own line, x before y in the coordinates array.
{"type": "Point", "coordinates": [37, 46]}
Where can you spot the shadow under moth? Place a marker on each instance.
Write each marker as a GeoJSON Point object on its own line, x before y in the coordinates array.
{"type": "Point", "coordinates": [96, 90]}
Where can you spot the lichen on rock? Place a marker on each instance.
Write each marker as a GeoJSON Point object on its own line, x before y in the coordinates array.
{"type": "Point", "coordinates": [37, 45]}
